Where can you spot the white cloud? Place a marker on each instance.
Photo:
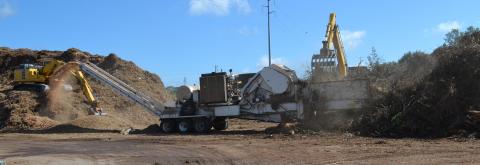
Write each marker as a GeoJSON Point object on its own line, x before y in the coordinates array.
{"type": "Point", "coordinates": [218, 7]}
{"type": "Point", "coordinates": [263, 62]}
{"type": "Point", "coordinates": [5, 9]}
{"type": "Point", "coordinates": [446, 27]}
{"type": "Point", "coordinates": [351, 39]}
{"type": "Point", "coordinates": [242, 6]}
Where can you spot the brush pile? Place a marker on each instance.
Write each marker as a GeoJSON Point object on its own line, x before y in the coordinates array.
{"type": "Point", "coordinates": [443, 102]}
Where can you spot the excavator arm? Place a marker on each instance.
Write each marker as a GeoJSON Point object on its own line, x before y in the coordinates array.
{"type": "Point", "coordinates": [329, 34]}
{"type": "Point", "coordinates": [338, 45]}
{"type": "Point", "coordinates": [332, 37]}
{"type": "Point", "coordinates": [88, 92]}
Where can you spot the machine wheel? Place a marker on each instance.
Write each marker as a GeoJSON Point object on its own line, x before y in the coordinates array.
{"type": "Point", "coordinates": [202, 125]}
{"type": "Point", "coordinates": [220, 124]}
{"type": "Point", "coordinates": [168, 125]}
{"type": "Point", "coordinates": [185, 126]}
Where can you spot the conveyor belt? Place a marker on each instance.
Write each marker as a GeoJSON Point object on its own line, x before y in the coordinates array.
{"type": "Point", "coordinates": [122, 88]}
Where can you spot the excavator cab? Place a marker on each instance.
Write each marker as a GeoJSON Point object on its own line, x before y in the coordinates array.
{"type": "Point", "coordinates": [28, 73]}
{"type": "Point", "coordinates": [29, 77]}
{"type": "Point", "coordinates": [35, 73]}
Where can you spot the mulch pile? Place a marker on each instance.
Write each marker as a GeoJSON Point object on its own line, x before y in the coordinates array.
{"type": "Point", "coordinates": [30, 110]}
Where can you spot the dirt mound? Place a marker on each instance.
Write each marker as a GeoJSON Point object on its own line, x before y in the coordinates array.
{"type": "Point", "coordinates": [138, 78]}
{"type": "Point", "coordinates": [66, 104]}
{"type": "Point", "coordinates": [73, 54]}
{"type": "Point", "coordinates": [437, 105]}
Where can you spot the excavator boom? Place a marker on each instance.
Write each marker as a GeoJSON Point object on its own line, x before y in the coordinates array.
{"type": "Point", "coordinates": [88, 92]}
{"type": "Point", "coordinates": [338, 45]}
{"type": "Point", "coordinates": [52, 66]}
{"type": "Point", "coordinates": [329, 34]}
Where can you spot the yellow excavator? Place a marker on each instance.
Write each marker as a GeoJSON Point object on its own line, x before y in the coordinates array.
{"type": "Point", "coordinates": [39, 77]}
{"type": "Point", "coordinates": [331, 60]}
{"type": "Point", "coordinates": [34, 76]}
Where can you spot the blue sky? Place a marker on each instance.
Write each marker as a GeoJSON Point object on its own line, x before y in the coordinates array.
{"type": "Point", "coordinates": [184, 38]}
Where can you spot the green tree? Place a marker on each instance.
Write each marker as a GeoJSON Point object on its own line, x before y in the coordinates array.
{"type": "Point", "coordinates": [412, 56]}
{"type": "Point", "coordinates": [373, 59]}
{"type": "Point", "coordinates": [453, 37]}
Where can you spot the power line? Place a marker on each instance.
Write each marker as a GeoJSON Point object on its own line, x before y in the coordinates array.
{"type": "Point", "coordinates": [268, 22]}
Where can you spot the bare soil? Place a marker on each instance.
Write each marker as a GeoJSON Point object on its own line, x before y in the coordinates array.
{"type": "Point", "coordinates": [244, 143]}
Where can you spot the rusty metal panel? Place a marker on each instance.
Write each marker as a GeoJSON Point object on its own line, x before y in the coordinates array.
{"type": "Point", "coordinates": [213, 88]}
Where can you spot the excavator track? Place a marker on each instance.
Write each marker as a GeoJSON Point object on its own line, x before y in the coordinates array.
{"type": "Point", "coordinates": [31, 87]}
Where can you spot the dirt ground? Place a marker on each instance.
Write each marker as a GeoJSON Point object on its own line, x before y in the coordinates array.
{"type": "Point", "coordinates": [244, 143]}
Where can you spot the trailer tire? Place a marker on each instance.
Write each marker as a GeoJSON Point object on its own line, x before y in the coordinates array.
{"type": "Point", "coordinates": [168, 126]}
{"type": "Point", "coordinates": [220, 124]}
{"type": "Point", "coordinates": [202, 125]}
{"type": "Point", "coordinates": [185, 126]}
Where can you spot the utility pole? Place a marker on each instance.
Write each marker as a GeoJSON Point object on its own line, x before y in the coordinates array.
{"type": "Point", "coordinates": [268, 19]}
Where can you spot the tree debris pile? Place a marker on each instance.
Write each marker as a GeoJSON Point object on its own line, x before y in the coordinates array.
{"type": "Point", "coordinates": [29, 110]}
{"type": "Point", "coordinates": [412, 68]}
{"type": "Point", "coordinates": [437, 105]}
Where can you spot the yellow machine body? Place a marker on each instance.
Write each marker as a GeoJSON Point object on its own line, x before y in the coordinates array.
{"type": "Point", "coordinates": [33, 74]}
{"type": "Point", "coordinates": [28, 75]}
